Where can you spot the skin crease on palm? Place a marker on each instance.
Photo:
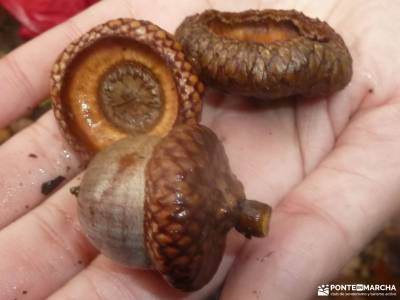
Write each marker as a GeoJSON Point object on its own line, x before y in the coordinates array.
{"type": "Point", "coordinates": [329, 167]}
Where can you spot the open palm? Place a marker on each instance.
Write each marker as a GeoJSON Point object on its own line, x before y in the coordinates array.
{"type": "Point", "coordinates": [330, 167]}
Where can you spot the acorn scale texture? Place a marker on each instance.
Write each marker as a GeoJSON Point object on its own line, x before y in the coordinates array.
{"type": "Point", "coordinates": [192, 201]}
{"type": "Point", "coordinates": [313, 63]}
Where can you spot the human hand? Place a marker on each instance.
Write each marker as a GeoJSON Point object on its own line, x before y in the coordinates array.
{"type": "Point", "coordinates": [330, 167]}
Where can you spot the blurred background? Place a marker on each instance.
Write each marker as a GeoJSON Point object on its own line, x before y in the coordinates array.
{"type": "Point", "coordinates": [21, 20]}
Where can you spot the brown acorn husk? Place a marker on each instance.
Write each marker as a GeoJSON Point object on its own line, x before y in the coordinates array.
{"type": "Point", "coordinates": [82, 119]}
{"type": "Point", "coordinates": [267, 54]}
{"type": "Point", "coordinates": [192, 201]}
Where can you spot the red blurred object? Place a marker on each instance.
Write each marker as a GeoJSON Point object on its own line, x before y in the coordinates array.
{"type": "Point", "coordinates": [37, 16]}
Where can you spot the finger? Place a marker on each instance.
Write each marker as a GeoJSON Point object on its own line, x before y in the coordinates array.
{"type": "Point", "coordinates": [52, 249]}
{"type": "Point", "coordinates": [42, 250]}
{"type": "Point", "coordinates": [41, 151]}
{"type": "Point", "coordinates": [329, 217]}
{"type": "Point", "coordinates": [167, 14]}
{"type": "Point", "coordinates": [257, 140]}
{"type": "Point", "coordinates": [23, 177]}
{"type": "Point", "coordinates": [234, 5]}
{"type": "Point", "coordinates": [25, 72]}
{"type": "Point", "coordinates": [29, 159]}
{"type": "Point", "coordinates": [104, 279]}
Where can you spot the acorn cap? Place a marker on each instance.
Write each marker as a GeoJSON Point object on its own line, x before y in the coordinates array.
{"type": "Point", "coordinates": [122, 77]}
{"type": "Point", "coordinates": [192, 201]}
{"type": "Point", "coordinates": [266, 54]}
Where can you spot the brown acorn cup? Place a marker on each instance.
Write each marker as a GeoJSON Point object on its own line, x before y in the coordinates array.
{"type": "Point", "coordinates": [124, 77]}
{"type": "Point", "coordinates": [183, 191]}
{"type": "Point", "coordinates": [267, 54]}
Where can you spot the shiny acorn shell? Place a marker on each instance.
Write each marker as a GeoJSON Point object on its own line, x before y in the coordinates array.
{"type": "Point", "coordinates": [267, 54]}
{"type": "Point", "coordinates": [111, 199]}
{"type": "Point", "coordinates": [122, 46]}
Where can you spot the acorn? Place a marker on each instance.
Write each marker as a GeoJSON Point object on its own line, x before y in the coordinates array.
{"type": "Point", "coordinates": [158, 192]}
{"type": "Point", "coordinates": [167, 203]}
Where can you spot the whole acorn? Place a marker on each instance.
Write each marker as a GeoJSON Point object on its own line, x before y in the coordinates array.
{"type": "Point", "coordinates": [167, 203]}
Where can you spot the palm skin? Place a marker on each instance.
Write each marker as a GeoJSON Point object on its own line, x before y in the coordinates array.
{"type": "Point", "coordinates": [330, 167]}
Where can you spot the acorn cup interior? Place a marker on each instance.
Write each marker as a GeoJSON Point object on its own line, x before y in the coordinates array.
{"type": "Point", "coordinates": [123, 88]}
{"type": "Point", "coordinates": [266, 31]}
